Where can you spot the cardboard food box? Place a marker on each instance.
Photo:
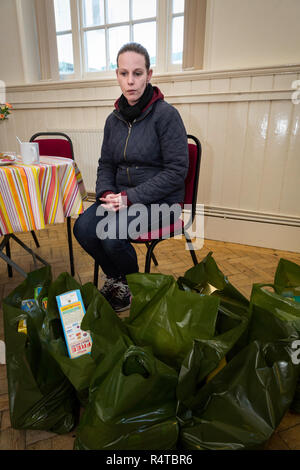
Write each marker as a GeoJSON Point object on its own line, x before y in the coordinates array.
{"type": "Point", "coordinates": [71, 310]}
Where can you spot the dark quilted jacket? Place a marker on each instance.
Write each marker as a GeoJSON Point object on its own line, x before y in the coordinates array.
{"type": "Point", "coordinates": [148, 159]}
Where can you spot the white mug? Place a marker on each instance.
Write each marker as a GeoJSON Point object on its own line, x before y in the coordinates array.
{"type": "Point", "coordinates": [30, 152]}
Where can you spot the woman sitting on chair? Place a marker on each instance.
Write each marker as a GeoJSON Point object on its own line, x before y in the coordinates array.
{"type": "Point", "coordinates": [143, 163]}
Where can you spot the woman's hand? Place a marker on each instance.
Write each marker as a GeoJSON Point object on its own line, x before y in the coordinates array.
{"type": "Point", "coordinates": [114, 202]}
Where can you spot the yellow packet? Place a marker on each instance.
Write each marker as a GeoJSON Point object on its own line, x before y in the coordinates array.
{"type": "Point", "coordinates": [22, 327]}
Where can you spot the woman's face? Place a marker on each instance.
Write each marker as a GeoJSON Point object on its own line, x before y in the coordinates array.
{"type": "Point", "coordinates": [132, 75]}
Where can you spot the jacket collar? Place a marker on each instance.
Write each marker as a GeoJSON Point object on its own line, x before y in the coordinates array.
{"type": "Point", "coordinates": [157, 95]}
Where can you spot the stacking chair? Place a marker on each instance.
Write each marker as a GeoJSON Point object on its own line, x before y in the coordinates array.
{"type": "Point", "coordinates": [56, 144]}
{"type": "Point", "coordinates": [151, 239]}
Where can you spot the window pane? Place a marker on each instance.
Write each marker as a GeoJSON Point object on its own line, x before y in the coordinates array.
{"type": "Point", "coordinates": [95, 50]}
{"type": "Point", "coordinates": [177, 40]}
{"type": "Point", "coordinates": [178, 6]}
{"type": "Point", "coordinates": [65, 53]}
{"type": "Point", "coordinates": [145, 34]}
{"type": "Point", "coordinates": [93, 12]}
{"type": "Point", "coordinates": [143, 9]}
{"type": "Point", "coordinates": [62, 15]}
{"type": "Point", "coordinates": [117, 11]}
{"type": "Point", "coordinates": [117, 38]}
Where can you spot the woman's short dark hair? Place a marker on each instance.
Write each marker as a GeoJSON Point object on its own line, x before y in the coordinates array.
{"type": "Point", "coordinates": [135, 47]}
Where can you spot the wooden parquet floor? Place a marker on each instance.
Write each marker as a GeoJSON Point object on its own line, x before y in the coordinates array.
{"type": "Point", "coordinates": [242, 264]}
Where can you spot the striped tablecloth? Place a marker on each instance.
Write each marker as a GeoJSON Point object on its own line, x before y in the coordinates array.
{"type": "Point", "coordinates": [32, 196]}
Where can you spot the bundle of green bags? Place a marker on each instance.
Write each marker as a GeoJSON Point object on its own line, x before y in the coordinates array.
{"type": "Point", "coordinates": [194, 366]}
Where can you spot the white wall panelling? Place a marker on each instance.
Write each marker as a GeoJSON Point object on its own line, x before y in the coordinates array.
{"type": "Point", "coordinates": [245, 119]}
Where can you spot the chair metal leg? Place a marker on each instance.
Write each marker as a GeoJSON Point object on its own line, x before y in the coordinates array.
{"type": "Point", "coordinates": [35, 238]}
{"type": "Point", "coordinates": [148, 258]}
{"type": "Point", "coordinates": [149, 254]}
{"type": "Point", "coordinates": [153, 255]}
{"type": "Point", "coordinates": [96, 273]}
{"type": "Point", "coordinates": [7, 249]}
{"type": "Point", "coordinates": [191, 249]}
{"type": "Point", "coordinates": [69, 230]}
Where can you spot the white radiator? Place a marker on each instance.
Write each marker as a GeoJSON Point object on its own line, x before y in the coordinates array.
{"type": "Point", "coordinates": [87, 146]}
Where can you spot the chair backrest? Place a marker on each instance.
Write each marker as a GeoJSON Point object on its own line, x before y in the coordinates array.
{"type": "Point", "coordinates": [192, 178]}
{"type": "Point", "coordinates": [54, 144]}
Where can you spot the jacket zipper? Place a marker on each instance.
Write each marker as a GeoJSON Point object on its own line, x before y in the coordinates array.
{"type": "Point", "coordinates": [128, 135]}
{"type": "Point", "coordinates": [127, 138]}
{"type": "Point", "coordinates": [125, 148]}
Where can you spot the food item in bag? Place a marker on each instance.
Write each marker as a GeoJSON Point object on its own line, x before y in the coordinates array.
{"type": "Point", "coordinates": [26, 306]}
{"type": "Point", "coordinates": [37, 291]}
{"type": "Point", "coordinates": [71, 310]}
{"type": "Point", "coordinates": [22, 327]}
{"type": "Point", "coordinates": [290, 295]}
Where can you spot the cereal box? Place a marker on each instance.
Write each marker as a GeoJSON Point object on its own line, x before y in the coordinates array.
{"type": "Point", "coordinates": [71, 310]}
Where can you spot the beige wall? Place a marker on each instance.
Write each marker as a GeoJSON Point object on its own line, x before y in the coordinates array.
{"type": "Point", "coordinates": [18, 42]}
{"type": "Point", "coordinates": [249, 33]}
{"type": "Point", "coordinates": [10, 46]}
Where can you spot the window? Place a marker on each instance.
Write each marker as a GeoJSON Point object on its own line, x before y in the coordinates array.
{"type": "Point", "coordinates": [89, 34]}
{"type": "Point", "coordinates": [177, 31]}
{"type": "Point", "coordinates": [106, 26]}
{"type": "Point", "coordinates": [64, 36]}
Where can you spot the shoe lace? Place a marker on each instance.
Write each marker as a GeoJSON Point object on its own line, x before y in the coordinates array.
{"type": "Point", "coordinates": [122, 290]}
{"type": "Point", "coordinates": [108, 284]}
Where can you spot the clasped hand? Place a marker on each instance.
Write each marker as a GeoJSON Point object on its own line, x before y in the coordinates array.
{"type": "Point", "coordinates": [114, 202]}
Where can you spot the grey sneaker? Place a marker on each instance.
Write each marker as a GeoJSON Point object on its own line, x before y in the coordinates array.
{"type": "Point", "coordinates": [108, 288]}
{"type": "Point", "coordinates": [121, 298]}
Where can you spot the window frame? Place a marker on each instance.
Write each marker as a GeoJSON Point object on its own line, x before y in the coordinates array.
{"type": "Point", "coordinates": [164, 17]}
{"type": "Point", "coordinates": [171, 18]}
{"type": "Point", "coordinates": [106, 26]}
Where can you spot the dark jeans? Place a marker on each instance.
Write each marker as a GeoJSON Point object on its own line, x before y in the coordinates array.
{"type": "Point", "coordinates": [105, 235]}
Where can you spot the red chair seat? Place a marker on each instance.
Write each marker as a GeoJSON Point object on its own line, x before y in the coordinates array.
{"type": "Point", "coordinates": [55, 147]}
{"type": "Point", "coordinates": [162, 232]}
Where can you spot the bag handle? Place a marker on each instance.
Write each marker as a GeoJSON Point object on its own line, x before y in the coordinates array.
{"type": "Point", "coordinates": [138, 361]}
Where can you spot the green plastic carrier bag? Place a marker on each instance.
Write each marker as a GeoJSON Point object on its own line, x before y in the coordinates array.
{"type": "Point", "coordinates": [287, 279]}
{"type": "Point", "coordinates": [207, 279]}
{"type": "Point", "coordinates": [167, 318]}
{"type": "Point", "coordinates": [40, 395]}
{"type": "Point", "coordinates": [99, 320]}
{"type": "Point", "coordinates": [205, 357]}
{"type": "Point", "coordinates": [230, 335]}
{"type": "Point", "coordinates": [270, 313]}
{"type": "Point", "coordinates": [78, 370]}
{"type": "Point", "coordinates": [132, 403]}
{"type": "Point", "coordinates": [287, 283]}
{"type": "Point", "coordinates": [241, 406]}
